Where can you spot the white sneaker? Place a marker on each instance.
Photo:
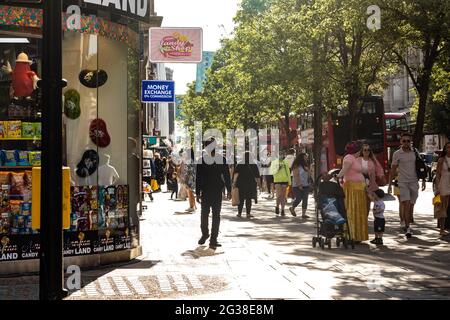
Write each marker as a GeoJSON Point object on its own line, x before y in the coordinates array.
{"type": "Point", "coordinates": [190, 210]}
{"type": "Point", "coordinates": [408, 233]}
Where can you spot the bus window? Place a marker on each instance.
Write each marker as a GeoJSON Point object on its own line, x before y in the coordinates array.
{"type": "Point", "coordinates": [369, 108]}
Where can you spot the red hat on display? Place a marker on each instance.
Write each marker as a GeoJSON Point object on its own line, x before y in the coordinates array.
{"type": "Point", "coordinates": [99, 133]}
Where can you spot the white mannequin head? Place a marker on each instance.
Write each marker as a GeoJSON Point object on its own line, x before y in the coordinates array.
{"type": "Point", "coordinates": [105, 159]}
{"type": "Point", "coordinates": [108, 158]}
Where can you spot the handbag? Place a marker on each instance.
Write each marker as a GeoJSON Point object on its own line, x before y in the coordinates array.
{"type": "Point", "coordinates": [183, 192]}
{"type": "Point", "coordinates": [235, 197]}
{"type": "Point", "coordinates": [421, 167]}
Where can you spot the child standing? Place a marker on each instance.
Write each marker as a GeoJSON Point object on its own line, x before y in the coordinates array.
{"type": "Point", "coordinates": [174, 185]}
{"type": "Point", "coordinates": [378, 214]}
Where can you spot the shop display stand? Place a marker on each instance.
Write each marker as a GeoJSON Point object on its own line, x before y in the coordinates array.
{"type": "Point", "coordinates": [15, 216]}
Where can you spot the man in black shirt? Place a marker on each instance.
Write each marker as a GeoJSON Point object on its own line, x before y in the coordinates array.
{"type": "Point", "coordinates": [212, 175]}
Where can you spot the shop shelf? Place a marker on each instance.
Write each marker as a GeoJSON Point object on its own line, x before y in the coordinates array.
{"type": "Point", "coordinates": [23, 119]}
{"type": "Point", "coordinates": [18, 139]}
{"type": "Point", "coordinates": [16, 167]}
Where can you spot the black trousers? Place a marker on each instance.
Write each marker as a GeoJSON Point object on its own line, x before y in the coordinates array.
{"type": "Point", "coordinates": [248, 205]}
{"type": "Point", "coordinates": [211, 202]}
{"type": "Point", "coordinates": [174, 190]}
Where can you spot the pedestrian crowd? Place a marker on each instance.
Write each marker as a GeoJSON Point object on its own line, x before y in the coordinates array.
{"type": "Point", "coordinates": [290, 175]}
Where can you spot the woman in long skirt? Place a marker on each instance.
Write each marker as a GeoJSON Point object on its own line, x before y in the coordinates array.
{"type": "Point", "coordinates": [355, 194]}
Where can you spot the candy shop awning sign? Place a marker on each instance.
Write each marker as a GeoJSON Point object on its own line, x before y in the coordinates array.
{"type": "Point", "coordinates": [183, 45]}
{"type": "Point", "coordinates": [137, 9]}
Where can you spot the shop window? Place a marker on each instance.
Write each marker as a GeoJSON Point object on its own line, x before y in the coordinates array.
{"type": "Point", "coordinates": [20, 133]}
{"type": "Point", "coordinates": [101, 135]}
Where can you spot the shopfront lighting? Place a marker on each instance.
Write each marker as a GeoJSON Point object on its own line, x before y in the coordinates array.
{"type": "Point", "coordinates": [14, 40]}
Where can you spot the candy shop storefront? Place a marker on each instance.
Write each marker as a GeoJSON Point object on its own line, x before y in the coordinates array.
{"type": "Point", "coordinates": [102, 63]}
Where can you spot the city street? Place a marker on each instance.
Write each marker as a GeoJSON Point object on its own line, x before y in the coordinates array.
{"type": "Point", "coordinates": [267, 257]}
{"type": "Point", "coordinates": [135, 100]}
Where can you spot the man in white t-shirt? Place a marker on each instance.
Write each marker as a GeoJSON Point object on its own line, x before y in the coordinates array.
{"type": "Point", "coordinates": [405, 160]}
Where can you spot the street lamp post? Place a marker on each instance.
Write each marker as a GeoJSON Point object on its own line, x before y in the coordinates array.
{"type": "Point", "coordinates": [51, 276]}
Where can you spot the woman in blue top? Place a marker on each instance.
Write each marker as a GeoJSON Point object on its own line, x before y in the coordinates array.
{"type": "Point", "coordinates": [300, 184]}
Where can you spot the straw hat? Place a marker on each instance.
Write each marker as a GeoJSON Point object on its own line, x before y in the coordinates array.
{"type": "Point", "coordinates": [23, 57]}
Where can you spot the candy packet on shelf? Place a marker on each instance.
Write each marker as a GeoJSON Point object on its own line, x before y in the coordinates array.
{"type": "Point", "coordinates": [21, 158]}
{"type": "Point", "coordinates": [3, 129]}
{"type": "Point", "coordinates": [34, 158]}
{"type": "Point", "coordinates": [14, 129]}
{"type": "Point", "coordinates": [28, 130]}
{"type": "Point", "coordinates": [10, 158]}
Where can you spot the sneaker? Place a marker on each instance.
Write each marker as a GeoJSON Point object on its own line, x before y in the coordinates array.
{"type": "Point", "coordinates": [203, 239]}
{"type": "Point", "coordinates": [292, 210]}
{"type": "Point", "coordinates": [239, 215]}
{"type": "Point", "coordinates": [190, 210]}
{"type": "Point", "coordinates": [380, 241]}
{"type": "Point", "coordinates": [282, 213]}
{"type": "Point", "coordinates": [374, 241]}
{"type": "Point", "coordinates": [408, 233]}
{"type": "Point", "coordinates": [277, 210]}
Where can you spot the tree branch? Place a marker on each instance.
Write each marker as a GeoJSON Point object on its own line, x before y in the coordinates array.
{"type": "Point", "coordinates": [408, 68]}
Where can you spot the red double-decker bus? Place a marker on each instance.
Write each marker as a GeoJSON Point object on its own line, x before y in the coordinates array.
{"type": "Point", "coordinates": [396, 124]}
{"type": "Point", "coordinates": [370, 128]}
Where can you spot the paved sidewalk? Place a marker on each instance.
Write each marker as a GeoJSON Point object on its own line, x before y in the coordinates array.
{"type": "Point", "coordinates": [266, 257]}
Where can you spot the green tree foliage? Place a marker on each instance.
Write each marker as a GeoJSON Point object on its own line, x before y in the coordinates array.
{"type": "Point", "coordinates": [437, 116]}
{"type": "Point", "coordinates": [289, 57]}
{"type": "Point", "coordinates": [419, 31]}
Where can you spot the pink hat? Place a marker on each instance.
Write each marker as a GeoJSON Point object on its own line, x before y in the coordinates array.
{"type": "Point", "coordinates": [353, 147]}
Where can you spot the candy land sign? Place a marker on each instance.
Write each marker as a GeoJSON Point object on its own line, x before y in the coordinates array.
{"type": "Point", "coordinates": [176, 45]}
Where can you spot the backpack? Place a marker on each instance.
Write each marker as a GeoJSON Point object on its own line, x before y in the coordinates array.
{"type": "Point", "coordinates": [421, 167]}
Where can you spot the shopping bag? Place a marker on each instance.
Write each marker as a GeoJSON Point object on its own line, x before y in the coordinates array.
{"type": "Point", "coordinates": [182, 194]}
{"type": "Point", "coordinates": [235, 197]}
{"type": "Point", "coordinates": [437, 200]}
{"type": "Point", "coordinates": [154, 185]}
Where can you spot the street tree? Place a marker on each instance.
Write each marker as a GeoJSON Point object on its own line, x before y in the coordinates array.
{"type": "Point", "coordinates": [419, 30]}
{"type": "Point", "coordinates": [359, 59]}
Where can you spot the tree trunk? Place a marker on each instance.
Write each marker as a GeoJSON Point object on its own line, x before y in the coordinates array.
{"type": "Point", "coordinates": [418, 133]}
{"type": "Point", "coordinates": [353, 112]}
{"type": "Point", "coordinates": [287, 129]}
{"type": "Point", "coordinates": [318, 113]}
{"type": "Point", "coordinates": [317, 148]}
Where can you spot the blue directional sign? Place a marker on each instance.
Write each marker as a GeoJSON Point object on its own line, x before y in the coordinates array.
{"type": "Point", "coordinates": [155, 91]}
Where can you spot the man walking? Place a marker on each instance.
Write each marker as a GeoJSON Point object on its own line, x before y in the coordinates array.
{"type": "Point", "coordinates": [405, 160]}
{"type": "Point", "coordinates": [212, 175]}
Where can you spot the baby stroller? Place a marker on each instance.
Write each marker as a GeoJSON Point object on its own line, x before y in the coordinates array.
{"type": "Point", "coordinates": [331, 215]}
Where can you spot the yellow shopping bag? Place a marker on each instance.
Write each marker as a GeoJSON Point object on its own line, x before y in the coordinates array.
{"type": "Point", "coordinates": [437, 200]}
{"type": "Point", "coordinates": [154, 185]}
